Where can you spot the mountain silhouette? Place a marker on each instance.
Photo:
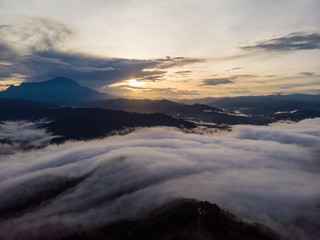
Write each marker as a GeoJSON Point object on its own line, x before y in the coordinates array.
{"type": "Point", "coordinates": [182, 219]}
{"type": "Point", "coordinates": [196, 112]}
{"type": "Point", "coordinates": [60, 90]}
{"type": "Point", "coordinates": [83, 123]}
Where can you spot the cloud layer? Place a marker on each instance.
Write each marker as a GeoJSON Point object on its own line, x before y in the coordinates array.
{"type": "Point", "coordinates": [268, 174]}
{"type": "Point", "coordinates": [35, 51]}
{"type": "Point", "coordinates": [21, 135]}
{"type": "Point", "coordinates": [291, 42]}
{"type": "Point", "coordinates": [216, 81]}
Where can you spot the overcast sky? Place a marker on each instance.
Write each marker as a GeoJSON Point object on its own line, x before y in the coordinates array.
{"type": "Point", "coordinates": [156, 49]}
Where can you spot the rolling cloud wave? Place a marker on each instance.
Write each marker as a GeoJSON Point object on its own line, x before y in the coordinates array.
{"type": "Point", "coordinates": [268, 174]}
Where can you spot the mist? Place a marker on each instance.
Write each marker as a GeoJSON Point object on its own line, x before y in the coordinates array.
{"type": "Point", "coordinates": [22, 135]}
{"type": "Point", "coordinates": [268, 174]}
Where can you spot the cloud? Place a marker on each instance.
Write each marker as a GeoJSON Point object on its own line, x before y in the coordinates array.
{"type": "Point", "coordinates": [216, 81]}
{"type": "Point", "coordinates": [11, 57]}
{"type": "Point", "coordinates": [152, 76]}
{"type": "Point", "coordinates": [307, 73]}
{"type": "Point", "coordinates": [90, 71]}
{"type": "Point", "coordinates": [262, 173]}
{"type": "Point", "coordinates": [35, 48]}
{"type": "Point", "coordinates": [234, 69]}
{"type": "Point", "coordinates": [227, 80]}
{"type": "Point", "coordinates": [270, 76]}
{"type": "Point", "coordinates": [21, 135]}
{"type": "Point", "coordinates": [243, 76]}
{"type": "Point", "coordinates": [184, 73]}
{"type": "Point", "coordinates": [156, 93]}
{"type": "Point", "coordinates": [4, 26]}
{"type": "Point", "coordinates": [38, 33]}
{"type": "Point", "coordinates": [291, 42]}
{"type": "Point", "coordinates": [169, 62]}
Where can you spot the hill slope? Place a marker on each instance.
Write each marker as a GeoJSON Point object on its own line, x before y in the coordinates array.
{"type": "Point", "coordinates": [195, 112]}
{"type": "Point", "coordinates": [183, 219]}
{"type": "Point", "coordinates": [83, 123]}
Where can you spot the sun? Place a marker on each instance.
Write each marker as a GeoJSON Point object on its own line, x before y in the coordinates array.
{"type": "Point", "coordinates": [135, 83]}
{"type": "Point", "coordinates": [131, 83]}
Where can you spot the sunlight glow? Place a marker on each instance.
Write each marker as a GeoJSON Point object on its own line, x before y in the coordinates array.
{"type": "Point", "coordinates": [135, 83]}
{"type": "Point", "coordinates": [129, 83]}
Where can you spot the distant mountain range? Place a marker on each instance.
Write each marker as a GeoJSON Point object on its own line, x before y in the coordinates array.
{"type": "Point", "coordinates": [83, 123]}
{"type": "Point", "coordinates": [257, 105]}
{"type": "Point", "coordinates": [150, 106]}
{"type": "Point", "coordinates": [60, 90]}
{"type": "Point", "coordinates": [196, 112]}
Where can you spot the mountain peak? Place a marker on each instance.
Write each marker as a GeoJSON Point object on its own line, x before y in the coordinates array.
{"type": "Point", "coordinates": [59, 90]}
{"type": "Point", "coordinates": [61, 80]}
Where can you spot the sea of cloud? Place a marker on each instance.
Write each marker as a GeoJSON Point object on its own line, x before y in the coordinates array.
{"type": "Point", "coordinates": [268, 174]}
{"type": "Point", "coordinates": [22, 135]}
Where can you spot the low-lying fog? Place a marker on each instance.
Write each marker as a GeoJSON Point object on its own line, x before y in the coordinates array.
{"type": "Point", "coordinates": [268, 174]}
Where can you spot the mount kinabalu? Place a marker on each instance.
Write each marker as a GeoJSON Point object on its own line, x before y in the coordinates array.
{"type": "Point", "coordinates": [60, 90]}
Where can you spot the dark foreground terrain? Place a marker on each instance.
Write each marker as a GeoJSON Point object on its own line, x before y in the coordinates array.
{"type": "Point", "coordinates": [83, 123]}
{"type": "Point", "coordinates": [182, 219]}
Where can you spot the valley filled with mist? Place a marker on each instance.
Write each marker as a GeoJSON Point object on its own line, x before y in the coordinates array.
{"type": "Point", "coordinates": [265, 174]}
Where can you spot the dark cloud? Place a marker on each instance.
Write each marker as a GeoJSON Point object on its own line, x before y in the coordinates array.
{"type": "Point", "coordinates": [12, 60]}
{"type": "Point", "coordinates": [183, 72]}
{"type": "Point", "coordinates": [151, 76]}
{"type": "Point", "coordinates": [7, 53]}
{"type": "Point", "coordinates": [4, 26]}
{"type": "Point", "coordinates": [88, 70]}
{"type": "Point", "coordinates": [307, 73]}
{"type": "Point", "coordinates": [43, 38]}
{"type": "Point", "coordinates": [233, 69]}
{"type": "Point", "coordinates": [216, 81]}
{"type": "Point", "coordinates": [291, 42]}
{"type": "Point", "coordinates": [227, 80]}
{"type": "Point", "coordinates": [270, 76]}
{"type": "Point", "coordinates": [243, 76]}
{"type": "Point", "coordinates": [262, 173]}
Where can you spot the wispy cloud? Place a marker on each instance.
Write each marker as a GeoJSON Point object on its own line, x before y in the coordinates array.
{"type": "Point", "coordinates": [291, 42]}
{"type": "Point", "coordinates": [307, 73]}
{"type": "Point", "coordinates": [38, 33]}
{"type": "Point", "coordinates": [226, 80]}
{"type": "Point", "coordinates": [158, 93]}
{"type": "Point", "coordinates": [216, 81]}
{"type": "Point", "coordinates": [233, 69]}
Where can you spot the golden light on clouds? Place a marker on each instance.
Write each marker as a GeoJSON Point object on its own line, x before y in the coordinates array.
{"type": "Point", "coordinates": [129, 83]}
{"type": "Point", "coordinates": [135, 83]}
{"type": "Point", "coordinates": [15, 79]}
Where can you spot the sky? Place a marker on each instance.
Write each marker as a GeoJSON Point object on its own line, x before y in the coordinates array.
{"type": "Point", "coordinates": [164, 49]}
